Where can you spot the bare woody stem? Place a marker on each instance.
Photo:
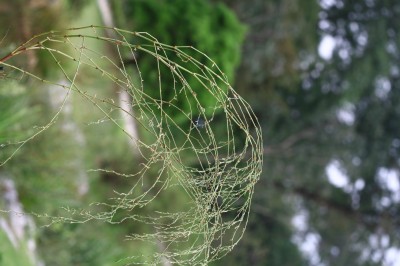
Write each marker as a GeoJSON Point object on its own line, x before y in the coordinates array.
{"type": "Point", "coordinates": [13, 53]}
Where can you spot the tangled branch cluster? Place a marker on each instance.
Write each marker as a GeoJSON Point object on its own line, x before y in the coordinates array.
{"type": "Point", "coordinates": [199, 137]}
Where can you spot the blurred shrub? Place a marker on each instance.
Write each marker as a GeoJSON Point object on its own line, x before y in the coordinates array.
{"type": "Point", "coordinates": [210, 28]}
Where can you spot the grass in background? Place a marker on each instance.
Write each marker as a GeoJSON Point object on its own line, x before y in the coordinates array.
{"type": "Point", "coordinates": [11, 256]}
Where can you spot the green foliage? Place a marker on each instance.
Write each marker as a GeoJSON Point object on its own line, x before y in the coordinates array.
{"type": "Point", "coordinates": [298, 97]}
{"type": "Point", "coordinates": [42, 165]}
{"type": "Point", "coordinates": [210, 28]}
{"type": "Point", "coordinates": [12, 111]}
{"type": "Point", "coordinates": [73, 244]}
{"type": "Point", "coordinates": [11, 256]}
{"type": "Point", "coordinates": [265, 243]}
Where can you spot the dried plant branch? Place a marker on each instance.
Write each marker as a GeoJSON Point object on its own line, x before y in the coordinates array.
{"type": "Point", "coordinates": [215, 161]}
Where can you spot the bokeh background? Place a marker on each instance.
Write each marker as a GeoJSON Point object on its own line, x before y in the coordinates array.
{"type": "Point", "coordinates": [322, 77]}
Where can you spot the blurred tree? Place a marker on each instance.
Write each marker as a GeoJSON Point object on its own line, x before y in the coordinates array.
{"type": "Point", "coordinates": [366, 61]}
{"type": "Point", "coordinates": [339, 113]}
{"type": "Point", "coordinates": [211, 28]}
